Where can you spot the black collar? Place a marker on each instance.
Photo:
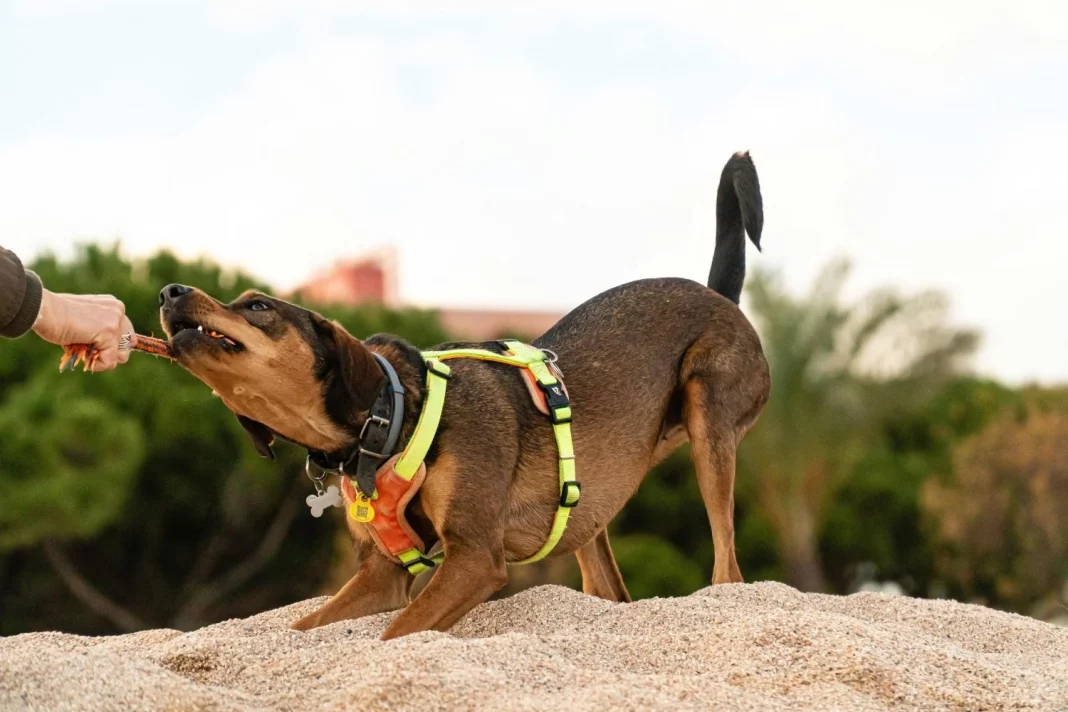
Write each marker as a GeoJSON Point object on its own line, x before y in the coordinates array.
{"type": "Point", "coordinates": [378, 437]}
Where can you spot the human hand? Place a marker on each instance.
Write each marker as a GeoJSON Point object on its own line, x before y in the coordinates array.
{"type": "Point", "coordinates": [97, 319]}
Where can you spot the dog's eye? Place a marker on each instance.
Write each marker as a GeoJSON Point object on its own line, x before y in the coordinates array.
{"type": "Point", "coordinates": [258, 306]}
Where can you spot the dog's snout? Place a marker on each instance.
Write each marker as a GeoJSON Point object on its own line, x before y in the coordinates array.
{"type": "Point", "coordinates": [171, 292]}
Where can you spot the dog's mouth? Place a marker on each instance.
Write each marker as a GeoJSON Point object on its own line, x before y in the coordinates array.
{"type": "Point", "coordinates": [193, 330]}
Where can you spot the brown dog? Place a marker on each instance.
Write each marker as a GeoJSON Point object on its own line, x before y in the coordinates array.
{"type": "Point", "coordinates": [648, 365]}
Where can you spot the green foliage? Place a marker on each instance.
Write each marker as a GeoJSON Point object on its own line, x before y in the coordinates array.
{"type": "Point", "coordinates": [875, 516]}
{"type": "Point", "coordinates": [69, 461]}
{"type": "Point", "coordinates": [1000, 518]}
{"type": "Point", "coordinates": [651, 566]}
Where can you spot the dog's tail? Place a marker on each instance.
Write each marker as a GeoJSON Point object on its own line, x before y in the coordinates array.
{"type": "Point", "coordinates": [739, 209]}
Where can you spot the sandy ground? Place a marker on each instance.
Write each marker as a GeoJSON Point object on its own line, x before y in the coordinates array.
{"type": "Point", "coordinates": [736, 647]}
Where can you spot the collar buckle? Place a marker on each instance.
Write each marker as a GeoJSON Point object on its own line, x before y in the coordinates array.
{"type": "Point", "coordinates": [373, 419]}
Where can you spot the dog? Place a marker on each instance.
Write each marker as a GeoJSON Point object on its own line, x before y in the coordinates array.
{"type": "Point", "coordinates": [648, 365]}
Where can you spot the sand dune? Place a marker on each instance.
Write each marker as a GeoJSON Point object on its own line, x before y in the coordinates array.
{"type": "Point", "coordinates": [736, 647]}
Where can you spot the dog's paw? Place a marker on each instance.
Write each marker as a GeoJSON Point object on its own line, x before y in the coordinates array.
{"type": "Point", "coordinates": [305, 623]}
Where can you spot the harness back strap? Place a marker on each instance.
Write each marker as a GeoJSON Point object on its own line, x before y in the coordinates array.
{"type": "Point", "coordinates": [560, 414]}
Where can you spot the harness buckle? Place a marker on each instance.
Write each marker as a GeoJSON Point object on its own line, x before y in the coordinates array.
{"type": "Point", "coordinates": [425, 561]}
{"type": "Point", "coordinates": [554, 395]}
{"type": "Point", "coordinates": [556, 400]}
{"type": "Point", "coordinates": [566, 494]}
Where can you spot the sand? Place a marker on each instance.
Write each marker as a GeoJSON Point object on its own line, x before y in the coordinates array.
{"type": "Point", "coordinates": [734, 647]}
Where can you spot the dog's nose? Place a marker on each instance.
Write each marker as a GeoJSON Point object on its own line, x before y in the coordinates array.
{"type": "Point", "coordinates": [171, 292]}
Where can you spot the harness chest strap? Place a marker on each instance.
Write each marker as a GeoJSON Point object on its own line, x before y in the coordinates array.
{"type": "Point", "coordinates": [410, 463]}
{"type": "Point", "coordinates": [398, 481]}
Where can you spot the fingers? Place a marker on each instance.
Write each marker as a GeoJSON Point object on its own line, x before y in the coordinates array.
{"type": "Point", "coordinates": [108, 359]}
{"type": "Point", "coordinates": [125, 327]}
{"type": "Point", "coordinates": [112, 323]}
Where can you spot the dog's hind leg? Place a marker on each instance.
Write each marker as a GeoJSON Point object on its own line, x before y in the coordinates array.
{"type": "Point", "coordinates": [600, 574]}
{"type": "Point", "coordinates": [713, 442]}
{"type": "Point", "coordinates": [726, 383]}
{"type": "Point", "coordinates": [378, 587]}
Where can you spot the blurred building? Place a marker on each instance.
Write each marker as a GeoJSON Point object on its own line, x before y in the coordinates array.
{"type": "Point", "coordinates": [372, 279]}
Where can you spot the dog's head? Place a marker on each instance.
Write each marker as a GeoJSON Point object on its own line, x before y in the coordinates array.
{"type": "Point", "coordinates": [280, 368]}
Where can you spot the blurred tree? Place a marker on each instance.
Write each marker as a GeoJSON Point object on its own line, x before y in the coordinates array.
{"type": "Point", "coordinates": [1000, 516]}
{"type": "Point", "coordinates": [68, 464]}
{"type": "Point", "coordinates": [839, 370]}
{"type": "Point", "coordinates": [873, 519]}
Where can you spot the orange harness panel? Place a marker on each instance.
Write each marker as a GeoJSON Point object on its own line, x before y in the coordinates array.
{"type": "Point", "coordinates": [389, 527]}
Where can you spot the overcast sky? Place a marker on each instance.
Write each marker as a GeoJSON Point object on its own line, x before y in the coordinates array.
{"type": "Point", "coordinates": [533, 157]}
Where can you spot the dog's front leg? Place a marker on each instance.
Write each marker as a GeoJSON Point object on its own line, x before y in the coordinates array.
{"type": "Point", "coordinates": [467, 577]}
{"type": "Point", "coordinates": [378, 587]}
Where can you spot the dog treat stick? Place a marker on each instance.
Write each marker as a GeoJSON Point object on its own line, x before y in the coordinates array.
{"type": "Point", "coordinates": [88, 354]}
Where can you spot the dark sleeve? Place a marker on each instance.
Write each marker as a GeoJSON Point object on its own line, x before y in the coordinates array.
{"type": "Point", "coordinates": [20, 296]}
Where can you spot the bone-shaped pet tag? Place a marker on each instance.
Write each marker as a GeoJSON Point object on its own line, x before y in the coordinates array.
{"type": "Point", "coordinates": [319, 503]}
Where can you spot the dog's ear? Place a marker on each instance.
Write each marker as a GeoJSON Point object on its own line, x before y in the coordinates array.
{"type": "Point", "coordinates": [357, 377]}
{"type": "Point", "coordinates": [262, 436]}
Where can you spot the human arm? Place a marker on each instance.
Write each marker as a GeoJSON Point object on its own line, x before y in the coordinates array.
{"type": "Point", "coordinates": [62, 319]}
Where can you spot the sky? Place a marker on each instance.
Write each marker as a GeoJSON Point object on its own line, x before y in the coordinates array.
{"type": "Point", "coordinates": [531, 155]}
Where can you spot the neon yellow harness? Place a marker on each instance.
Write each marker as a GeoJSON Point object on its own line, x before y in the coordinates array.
{"type": "Point", "coordinates": [558, 405]}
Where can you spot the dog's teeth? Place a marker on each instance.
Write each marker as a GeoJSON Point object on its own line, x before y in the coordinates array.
{"type": "Point", "coordinates": [200, 328]}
